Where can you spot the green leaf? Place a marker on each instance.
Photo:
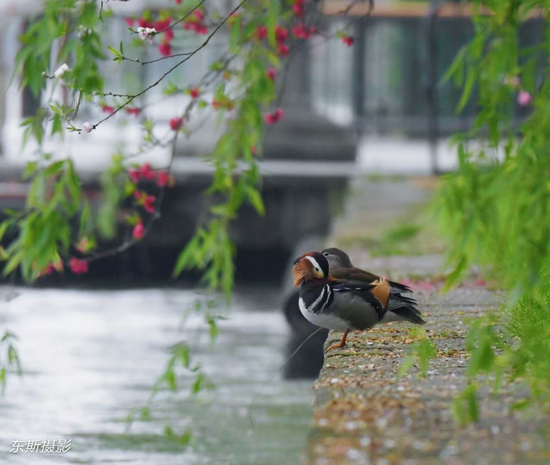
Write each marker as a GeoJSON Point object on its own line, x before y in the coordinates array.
{"type": "Point", "coordinates": [114, 51]}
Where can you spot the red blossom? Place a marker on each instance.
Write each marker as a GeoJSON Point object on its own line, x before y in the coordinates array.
{"type": "Point", "coordinates": [163, 24]}
{"type": "Point", "coordinates": [139, 231]}
{"type": "Point", "coordinates": [261, 32]}
{"type": "Point", "coordinates": [176, 123]}
{"type": "Point", "coordinates": [178, 2]}
{"type": "Point", "coordinates": [254, 150]}
{"type": "Point", "coordinates": [201, 29]}
{"type": "Point", "coordinates": [129, 21]}
{"type": "Point", "coordinates": [271, 73]}
{"type": "Point", "coordinates": [190, 26]}
{"type": "Point", "coordinates": [348, 40]}
{"type": "Point", "coordinates": [298, 9]}
{"type": "Point", "coordinates": [142, 22]}
{"type": "Point", "coordinates": [49, 269]}
{"type": "Point", "coordinates": [276, 116]}
{"type": "Point", "coordinates": [281, 34]}
{"type": "Point", "coordinates": [199, 14]}
{"type": "Point", "coordinates": [138, 195]}
{"type": "Point", "coordinates": [107, 109]}
{"type": "Point", "coordinates": [284, 50]}
{"type": "Point", "coordinates": [194, 92]}
{"type": "Point", "coordinates": [78, 266]}
{"type": "Point", "coordinates": [133, 111]}
{"type": "Point", "coordinates": [300, 31]}
{"type": "Point", "coordinates": [149, 203]}
{"type": "Point", "coordinates": [168, 34]}
{"type": "Point", "coordinates": [134, 175]}
{"type": "Point", "coordinates": [146, 172]}
{"type": "Point", "coordinates": [163, 179]}
{"type": "Point", "coordinates": [165, 49]}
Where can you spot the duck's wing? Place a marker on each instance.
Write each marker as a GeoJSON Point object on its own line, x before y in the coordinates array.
{"type": "Point", "coordinates": [358, 303]}
{"type": "Point", "coordinates": [359, 275]}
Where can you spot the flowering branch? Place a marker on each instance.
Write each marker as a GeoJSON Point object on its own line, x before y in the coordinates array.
{"type": "Point", "coordinates": [158, 81]}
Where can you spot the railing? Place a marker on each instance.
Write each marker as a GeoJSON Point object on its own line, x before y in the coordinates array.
{"type": "Point", "coordinates": [392, 80]}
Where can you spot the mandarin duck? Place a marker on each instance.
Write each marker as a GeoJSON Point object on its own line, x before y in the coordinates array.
{"type": "Point", "coordinates": [344, 305]}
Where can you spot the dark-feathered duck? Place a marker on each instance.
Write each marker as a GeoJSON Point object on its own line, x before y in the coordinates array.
{"type": "Point", "coordinates": [343, 305]}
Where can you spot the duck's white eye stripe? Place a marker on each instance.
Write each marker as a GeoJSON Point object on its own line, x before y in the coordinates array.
{"type": "Point", "coordinates": [315, 264]}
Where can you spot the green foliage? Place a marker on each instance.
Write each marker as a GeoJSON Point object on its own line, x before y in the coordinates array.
{"type": "Point", "coordinates": [466, 406]}
{"type": "Point", "coordinates": [54, 204]}
{"type": "Point", "coordinates": [9, 358]}
{"type": "Point", "coordinates": [422, 351]}
{"type": "Point", "coordinates": [494, 208]}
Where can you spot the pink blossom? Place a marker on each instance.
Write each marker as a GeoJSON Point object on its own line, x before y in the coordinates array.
{"type": "Point", "coordinates": [49, 269]}
{"type": "Point", "coordinates": [190, 26]}
{"type": "Point", "coordinates": [133, 111]}
{"type": "Point", "coordinates": [139, 231]}
{"type": "Point", "coordinates": [199, 14]}
{"type": "Point", "coordinates": [178, 2]}
{"type": "Point", "coordinates": [78, 266]}
{"type": "Point", "coordinates": [138, 195]}
{"type": "Point", "coordinates": [524, 98]}
{"type": "Point", "coordinates": [149, 203]}
{"type": "Point", "coordinates": [142, 22]}
{"type": "Point", "coordinates": [300, 31]}
{"type": "Point", "coordinates": [165, 49]}
{"type": "Point", "coordinates": [281, 34]}
{"type": "Point", "coordinates": [283, 49]}
{"type": "Point", "coordinates": [163, 178]}
{"type": "Point", "coordinates": [194, 92]}
{"type": "Point", "coordinates": [348, 40]}
{"type": "Point", "coordinates": [107, 109]}
{"type": "Point", "coordinates": [129, 21]}
{"type": "Point", "coordinates": [87, 127]}
{"type": "Point", "coordinates": [162, 24]}
{"type": "Point", "coordinates": [201, 29]}
{"type": "Point", "coordinates": [261, 32]}
{"type": "Point", "coordinates": [168, 34]}
{"type": "Point", "coordinates": [176, 123]}
{"type": "Point", "coordinates": [276, 116]}
{"type": "Point", "coordinates": [271, 73]}
{"type": "Point", "coordinates": [134, 175]}
{"type": "Point", "coordinates": [146, 172]}
{"type": "Point", "coordinates": [298, 9]}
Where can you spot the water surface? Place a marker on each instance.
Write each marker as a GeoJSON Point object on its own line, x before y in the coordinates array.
{"type": "Point", "coordinates": [90, 357]}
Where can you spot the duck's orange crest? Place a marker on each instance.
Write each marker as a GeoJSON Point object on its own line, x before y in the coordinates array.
{"type": "Point", "coordinates": [302, 270]}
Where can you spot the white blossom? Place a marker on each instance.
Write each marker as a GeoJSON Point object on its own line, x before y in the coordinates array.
{"type": "Point", "coordinates": [87, 127]}
{"type": "Point", "coordinates": [83, 31]}
{"type": "Point", "coordinates": [62, 70]}
{"type": "Point", "coordinates": [146, 33]}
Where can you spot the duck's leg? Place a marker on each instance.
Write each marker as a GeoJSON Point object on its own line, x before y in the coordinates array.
{"type": "Point", "coordinates": [342, 342]}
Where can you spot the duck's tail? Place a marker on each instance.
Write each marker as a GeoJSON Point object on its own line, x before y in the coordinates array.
{"type": "Point", "coordinates": [404, 308]}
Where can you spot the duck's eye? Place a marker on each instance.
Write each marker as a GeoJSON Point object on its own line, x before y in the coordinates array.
{"type": "Point", "coordinates": [326, 254]}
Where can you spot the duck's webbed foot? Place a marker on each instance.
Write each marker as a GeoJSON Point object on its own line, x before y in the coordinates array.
{"type": "Point", "coordinates": [342, 343]}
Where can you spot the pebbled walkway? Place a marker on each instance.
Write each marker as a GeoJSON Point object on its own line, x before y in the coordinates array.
{"type": "Point", "coordinates": [366, 414]}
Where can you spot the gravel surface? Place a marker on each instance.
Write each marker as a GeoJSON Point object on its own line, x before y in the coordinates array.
{"type": "Point", "coordinates": [366, 414]}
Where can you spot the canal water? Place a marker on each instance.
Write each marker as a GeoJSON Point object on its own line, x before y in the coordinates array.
{"type": "Point", "coordinates": [90, 357]}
